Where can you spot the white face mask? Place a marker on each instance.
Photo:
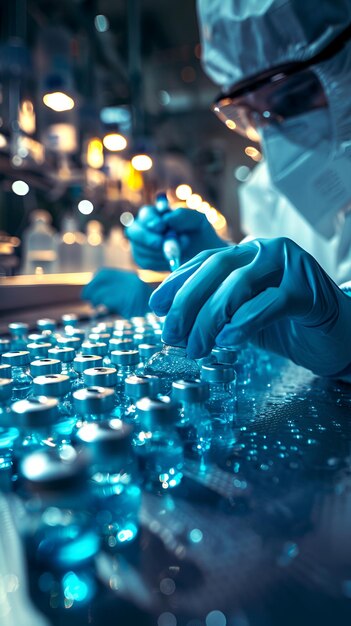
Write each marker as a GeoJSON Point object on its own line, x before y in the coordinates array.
{"type": "Point", "coordinates": [308, 168]}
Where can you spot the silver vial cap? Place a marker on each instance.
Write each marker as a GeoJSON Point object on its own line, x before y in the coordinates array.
{"type": "Point", "coordinates": [190, 391]}
{"type": "Point", "coordinates": [52, 385]}
{"type": "Point", "coordinates": [94, 400]}
{"type": "Point", "coordinates": [91, 347]}
{"type": "Point", "coordinates": [85, 361]}
{"type": "Point", "coordinates": [35, 412]}
{"type": "Point", "coordinates": [65, 355]}
{"type": "Point", "coordinates": [40, 367]}
{"type": "Point", "coordinates": [127, 357]}
{"type": "Point", "coordinates": [20, 357]}
{"type": "Point", "coordinates": [225, 355]}
{"type": "Point", "coordinates": [217, 373]}
{"type": "Point", "coordinates": [100, 376]}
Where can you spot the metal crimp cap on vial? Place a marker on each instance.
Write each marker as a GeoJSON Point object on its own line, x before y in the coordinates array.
{"type": "Point", "coordinates": [21, 357]}
{"type": "Point", "coordinates": [225, 355]}
{"type": "Point", "coordinates": [128, 357]}
{"type": "Point", "coordinates": [5, 370]}
{"type": "Point", "coordinates": [161, 412]}
{"type": "Point", "coordinates": [51, 385]}
{"type": "Point", "coordinates": [100, 376]}
{"type": "Point", "coordinates": [55, 469]}
{"type": "Point", "coordinates": [46, 324]}
{"type": "Point", "coordinates": [94, 400]}
{"type": "Point", "coordinates": [137, 387]}
{"type": "Point", "coordinates": [40, 367]}
{"type": "Point", "coordinates": [106, 439]}
{"type": "Point", "coordinates": [120, 344]}
{"type": "Point", "coordinates": [65, 355]}
{"type": "Point", "coordinates": [146, 350]}
{"type": "Point", "coordinates": [85, 361]}
{"type": "Point", "coordinates": [6, 385]}
{"type": "Point", "coordinates": [190, 391]}
{"type": "Point", "coordinates": [91, 347]}
{"type": "Point", "coordinates": [4, 345]}
{"type": "Point", "coordinates": [38, 349]}
{"type": "Point", "coordinates": [69, 342]}
{"type": "Point", "coordinates": [35, 412]}
{"type": "Point", "coordinates": [18, 328]}
{"type": "Point", "coordinates": [217, 373]}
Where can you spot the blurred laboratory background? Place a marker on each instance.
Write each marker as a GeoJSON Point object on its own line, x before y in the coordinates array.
{"type": "Point", "coordinates": [103, 103]}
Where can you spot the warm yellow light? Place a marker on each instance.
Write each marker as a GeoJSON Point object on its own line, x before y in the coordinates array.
{"type": "Point", "coordinates": [58, 101]}
{"type": "Point", "coordinates": [95, 153]}
{"type": "Point", "coordinates": [114, 142]}
{"type": "Point", "coordinates": [204, 207]}
{"type": "Point", "coordinates": [252, 134]}
{"type": "Point", "coordinates": [194, 201]}
{"type": "Point", "coordinates": [211, 215]}
{"type": "Point", "coordinates": [253, 153]}
{"type": "Point", "coordinates": [220, 222]}
{"type": "Point", "coordinates": [94, 239]}
{"type": "Point", "coordinates": [230, 124]}
{"type": "Point", "coordinates": [183, 192]}
{"type": "Point", "coordinates": [141, 162]}
{"type": "Point", "coordinates": [3, 141]}
{"type": "Point", "coordinates": [68, 238]}
{"type": "Point", "coordinates": [26, 117]}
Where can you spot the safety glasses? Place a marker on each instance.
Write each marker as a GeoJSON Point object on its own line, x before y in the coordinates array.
{"type": "Point", "coordinates": [277, 94]}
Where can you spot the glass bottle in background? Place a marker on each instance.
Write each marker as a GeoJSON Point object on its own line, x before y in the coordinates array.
{"type": "Point", "coordinates": [22, 380]}
{"type": "Point", "coordinates": [222, 403]}
{"type": "Point", "coordinates": [93, 251]}
{"type": "Point", "coordinates": [157, 443]}
{"type": "Point", "coordinates": [194, 425]}
{"type": "Point", "coordinates": [60, 537]}
{"type": "Point", "coordinates": [113, 480]}
{"type": "Point", "coordinates": [19, 336]}
{"type": "Point", "coordinates": [70, 247]}
{"type": "Point", "coordinates": [39, 244]}
{"type": "Point", "coordinates": [66, 356]}
{"type": "Point", "coordinates": [171, 364]}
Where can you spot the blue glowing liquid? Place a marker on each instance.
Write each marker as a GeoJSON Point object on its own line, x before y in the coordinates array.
{"type": "Point", "coordinates": [222, 403]}
{"type": "Point", "coordinates": [118, 502]}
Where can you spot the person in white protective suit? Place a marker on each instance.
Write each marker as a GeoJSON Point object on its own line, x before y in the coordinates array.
{"type": "Point", "coordinates": [284, 69]}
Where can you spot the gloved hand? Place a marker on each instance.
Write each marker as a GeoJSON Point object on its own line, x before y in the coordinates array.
{"type": "Point", "coordinates": [146, 233]}
{"type": "Point", "coordinates": [120, 291]}
{"type": "Point", "coordinates": [268, 291]}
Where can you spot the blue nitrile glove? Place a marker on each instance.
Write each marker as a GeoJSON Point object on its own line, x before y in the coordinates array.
{"type": "Point", "coordinates": [269, 291]}
{"type": "Point", "coordinates": [120, 291]}
{"type": "Point", "coordinates": [146, 234]}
